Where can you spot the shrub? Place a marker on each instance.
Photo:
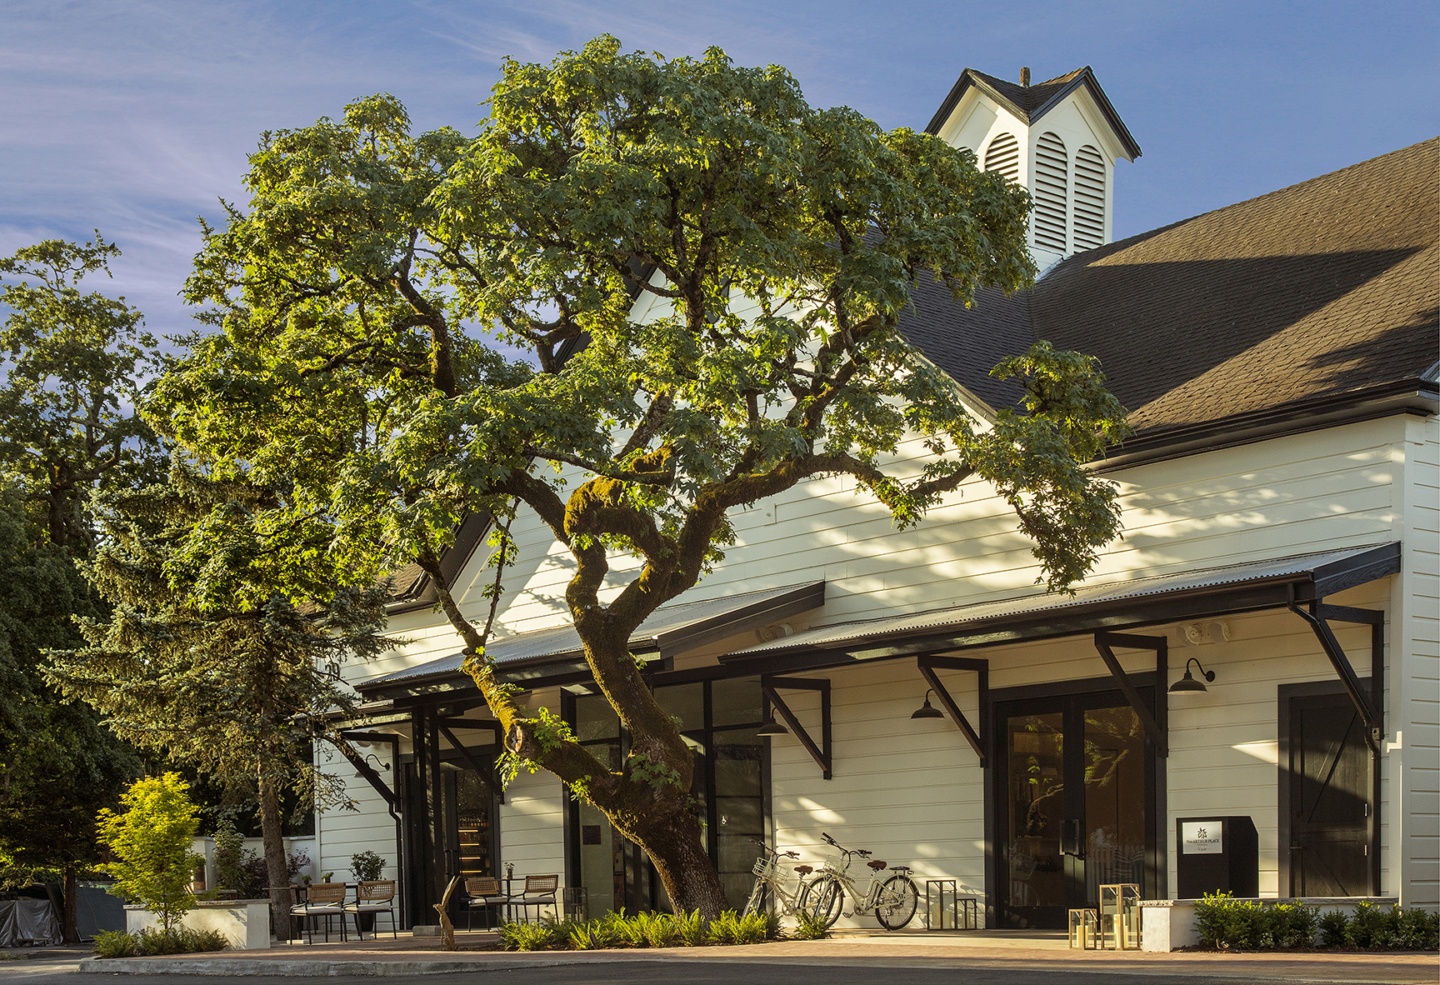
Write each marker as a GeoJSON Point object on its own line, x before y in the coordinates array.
{"type": "Point", "coordinates": [1369, 927]}
{"type": "Point", "coordinates": [150, 845]}
{"type": "Point", "coordinates": [1333, 926]}
{"type": "Point", "coordinates": [149, 943]}
{"type": "Point", "coordinates": [366, 866]}
{"type": "Point", "coordinates": [808, 927]}
{"type": "Point", "coordinates": [1288, 925]}
{"type": "Point", "coordinates": [731, 928]}
{"type": "Point", "coordinates": [692, 928]}
{"type": "Point", "coordinates": [593, 935]}
{"type": "Point", "coordinates": [1416, 930]}
{"type": "Point", "coordinates": [228, 858]}
{"type": "Point", "coordinates": [542, 936]}
{"type": "Point", "coordinates": [1227, 923]}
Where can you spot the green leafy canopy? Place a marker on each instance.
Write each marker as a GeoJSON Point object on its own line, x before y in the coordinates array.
{"type": "Point", "coordinates": [648, 292]}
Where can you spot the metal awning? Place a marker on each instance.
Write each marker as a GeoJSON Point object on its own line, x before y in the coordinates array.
{"type": "Point", "coordinates": [674, 628]}
{"type": "Point", "coordinates": [1151, 600]}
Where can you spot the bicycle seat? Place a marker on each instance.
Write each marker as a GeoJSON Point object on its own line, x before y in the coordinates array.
{"type": "Point", "coordinates": [876, 864]}
{"type": "Point", "coordinates": [804, 870]}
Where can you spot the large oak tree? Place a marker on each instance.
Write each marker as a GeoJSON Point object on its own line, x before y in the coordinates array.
{"type": "Point", "coordinates": [409, 329]}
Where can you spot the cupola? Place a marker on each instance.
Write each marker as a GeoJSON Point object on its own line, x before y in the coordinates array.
{"type": "Point", "coordinates": [1059, 139]}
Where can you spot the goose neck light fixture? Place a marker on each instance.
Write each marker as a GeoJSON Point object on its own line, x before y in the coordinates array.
{"type": "Point", "coordinates": [927, 710]}
{"type": "Point", "coordinates": [1188, 684]}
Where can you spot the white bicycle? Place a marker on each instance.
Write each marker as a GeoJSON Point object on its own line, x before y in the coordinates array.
{"type": "Point", "coordinates": [770, 889]}
{"type": "Point", "coordinates": [893, 901]}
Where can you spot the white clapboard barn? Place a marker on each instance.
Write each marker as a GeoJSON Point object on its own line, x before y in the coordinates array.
{"type": "Point", "coordinates": [1279, 556]}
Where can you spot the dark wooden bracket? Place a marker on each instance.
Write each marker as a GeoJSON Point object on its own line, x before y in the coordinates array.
{"type": "Point", "coordinates": [772, 686]}
{"type": "Point", "coordinates": [929, 664]}
{"type": "Point", "coordinates": [486, 770]}
{"type": "Point", "coordinates": [1105, 644]}
{"type": "Point", "coordinates": [366, 771]}
{"type": "Point", "coordinates": [1372, 706]}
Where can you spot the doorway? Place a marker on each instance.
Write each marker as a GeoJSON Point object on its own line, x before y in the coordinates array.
{"type": "Point", "coordinates": [1074, 803]}
{"type": "Point", "coordinates": [1326, 795]}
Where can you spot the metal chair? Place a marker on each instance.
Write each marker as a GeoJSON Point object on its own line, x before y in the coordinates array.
{"type": "Point", "coordinates": [539, 892]}
{"type": "Point", "coordinates": [374, 898]}
{"type": "Point", "coordinates": [483, 893]}
{"type": "Point", "coordinates": [322, 899]}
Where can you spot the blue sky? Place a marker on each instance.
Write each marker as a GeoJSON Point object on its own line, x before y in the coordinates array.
{"type": "Point", "coordinates": [135, 116]}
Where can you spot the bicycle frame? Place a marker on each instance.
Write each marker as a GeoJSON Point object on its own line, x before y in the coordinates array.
{"type": "Point", "coordinates": [770, 882]}
{"type": "Point", "coordinates": [892, 899]}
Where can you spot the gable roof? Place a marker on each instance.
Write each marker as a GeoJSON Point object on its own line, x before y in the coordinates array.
{"type": "Point", "coordinates": [1030, 103]}
{"type": "Point", "coordinates": [1319, 293]}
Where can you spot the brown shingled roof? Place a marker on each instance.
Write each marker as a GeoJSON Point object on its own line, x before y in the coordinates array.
{"type": "Point", "coordinates": [1321, 289]}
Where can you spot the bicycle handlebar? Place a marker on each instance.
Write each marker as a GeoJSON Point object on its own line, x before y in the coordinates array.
{"type": "Point", "coordinates": [772, 851]}
{"type": "Point", "coordinates": [861, 852]}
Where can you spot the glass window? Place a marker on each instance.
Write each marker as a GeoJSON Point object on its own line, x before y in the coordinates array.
{"type": "Point", "coordinates": [595, 719]}
{"type": "Point", "coordinates": [737, 702]}
{"type": "Point", "coordinates": [686, 702]}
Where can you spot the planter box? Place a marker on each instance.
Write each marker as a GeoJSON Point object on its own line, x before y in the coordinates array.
{"type": "Point", "coordinates": [1170, 924]}
{"type": "Point", "coordinates": [245, 923]}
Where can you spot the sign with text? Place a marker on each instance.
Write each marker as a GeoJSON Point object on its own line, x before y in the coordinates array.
{"type": "Point", "coordinates": [1202, 837]}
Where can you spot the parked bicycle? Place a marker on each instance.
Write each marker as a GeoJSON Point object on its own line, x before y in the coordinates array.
{"type": "Point", "coordinates": [893, 901]}
{"type": "Point", "coordinates": [771, 889]}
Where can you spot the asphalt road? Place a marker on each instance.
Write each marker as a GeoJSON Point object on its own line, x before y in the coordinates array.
{"type": "Point", "coordinates": [862, 972]}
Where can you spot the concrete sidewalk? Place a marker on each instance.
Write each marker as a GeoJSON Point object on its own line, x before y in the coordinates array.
{"type": "Point", "coordinates": [974, 949]}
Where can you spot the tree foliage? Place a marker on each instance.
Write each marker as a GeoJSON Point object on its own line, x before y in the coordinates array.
{"type": "Point", "coordinates": [70, 367]}
{"type": "Point", "coordinates": [648, 292]}
{"type": "Point", "coordinates": [195, 662]}
{"type": "Point", "coordinates": [151, 847]}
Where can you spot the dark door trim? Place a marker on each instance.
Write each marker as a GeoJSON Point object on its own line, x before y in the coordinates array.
{"type": "Point", "coordinates": [1318, 689]}
{"type": "Point", "coordinates": [995, 781]}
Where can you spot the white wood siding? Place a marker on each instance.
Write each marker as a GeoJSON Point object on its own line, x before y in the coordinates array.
{"type": "Point", "coordinates": [911, 791]}
{"type": "Point", "coordinates": [340, 833]}
{"type": "Point", "coordinates": [1413, 715]}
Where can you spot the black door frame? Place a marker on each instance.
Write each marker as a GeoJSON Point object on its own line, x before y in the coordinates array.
{"type": "Point", "coordinates": [996, 783]}
{"type": "Point", "coordinates": [1320, 689]}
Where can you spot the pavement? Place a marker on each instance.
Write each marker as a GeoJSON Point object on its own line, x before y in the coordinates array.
{"type": "Point", "coordinates": [408, 955]}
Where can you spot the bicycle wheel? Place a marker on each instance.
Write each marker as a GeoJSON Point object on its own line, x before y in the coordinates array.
{"type": "Point", "coordinates": [897, 901]}
{"type": "Point", "coordinates": [759, 901]}
{"type": "Point", "coordinates": [825, 900]}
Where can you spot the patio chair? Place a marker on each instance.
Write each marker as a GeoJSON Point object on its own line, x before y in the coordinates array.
{"type": "Point", "coordinates": [483, 893]}
{"type": "Point", "coordinates": [539, 892]}
{"type": "Point", "coordinates": [372, 898]}
{"type": "Point", "coordinates": [322, 899]}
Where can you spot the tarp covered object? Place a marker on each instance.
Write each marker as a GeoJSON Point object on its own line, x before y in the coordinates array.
{"type": "Point", "coordinates": [28, 921]}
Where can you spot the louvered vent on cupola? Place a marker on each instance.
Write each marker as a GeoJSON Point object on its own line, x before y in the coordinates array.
{"type": "Point", "coordinates": [1003, 156]}
{"type": "Point", "coordinates": [1051, 192]}
{"type": "Point", "coordinates": [1089, 199]}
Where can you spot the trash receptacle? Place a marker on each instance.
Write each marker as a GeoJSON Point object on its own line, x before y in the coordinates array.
{"type": "Point", "coordinates": [1216, 855]}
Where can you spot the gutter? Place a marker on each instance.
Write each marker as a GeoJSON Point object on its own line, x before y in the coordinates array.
{"type": "Point", "coordinates": [1417, 397]}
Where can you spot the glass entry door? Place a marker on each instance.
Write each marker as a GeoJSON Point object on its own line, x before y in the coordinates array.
{"type": "Point", "coordinates": [1074, 810]}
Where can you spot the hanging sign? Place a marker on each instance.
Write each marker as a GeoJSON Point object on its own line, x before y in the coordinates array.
{"type": "Point", "coordinates": [1202, 837]}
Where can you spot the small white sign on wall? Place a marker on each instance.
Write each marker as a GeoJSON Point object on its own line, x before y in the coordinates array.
{"type": "Point", "coordinates": [1201, 837]}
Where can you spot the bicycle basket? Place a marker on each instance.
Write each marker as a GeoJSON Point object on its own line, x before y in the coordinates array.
{"type": "Point", "coordinates": [764, 867]}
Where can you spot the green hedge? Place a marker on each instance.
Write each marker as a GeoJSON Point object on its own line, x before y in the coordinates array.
{"type": "Point", "coordinates": [1226, 923]}
{"type": "Point", "coordinates": [639, 930]}
{"type": "Point", "coordinates": [150, 942]}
